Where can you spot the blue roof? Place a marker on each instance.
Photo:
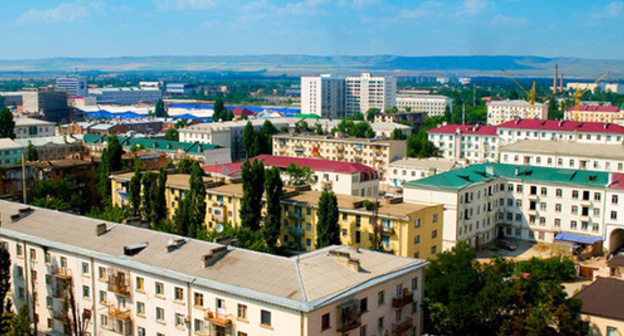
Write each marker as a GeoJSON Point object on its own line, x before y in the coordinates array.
{"type": "Point", "coordinates": [571, 237]}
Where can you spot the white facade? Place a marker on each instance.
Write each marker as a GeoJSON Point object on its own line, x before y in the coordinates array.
{"type": "Point", "coordinates": [410, 169]}
{"type": "Point", "coordinates": [513, 135]}
{"type": "Point", "coordinates": [130, 281]}
{"type": "Point", "coordinates": [433, 105]}
{"type": "Point", "coordinates": [605, 87]}
{"type": "Point", "coordinates": [32, 128]}
{"type": "Point", "coordinates": [76, 86]}
{"type": "Point", "coordinates": [323, 95]}
{"type": "Point", "coordinates": [466, 143]}
{"type": "Point", "coordinates": [366, 91]}
{"type": "Point", "coordinates": [130, 95]}
{"type": "Point", "coordinates": [502, 111]}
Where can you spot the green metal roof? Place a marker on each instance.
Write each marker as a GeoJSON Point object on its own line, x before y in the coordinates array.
{"type": "Point", "coordinates": [461, 178]}
{"type": "Point", "coordinates": [152, 144]}
{"type": "Point", "coordinates": [306, 116]}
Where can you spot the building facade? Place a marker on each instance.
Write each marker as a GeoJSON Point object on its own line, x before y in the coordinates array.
{"type": "Point", "coordinates": [76, 86]}
{"type": "Point", "coordinates": [563, 130]}
{"type": "Point", "coordinates": [10, 152]}
{"type": "Point", "coordinates": [600, 309]}
{"type": "Point", "coordinates": [500, 111]}
{"type": "Point", "coordinates": [125, 280]}
{"type": "Point", "coordinates": [47, 101]}
{"type": "Point", "coordinates": [323, 95]}
{"type": "Point", "coordinates": [366, 91]}
{"type": "Point", "coordinates": [466, 143]}
{"type": "Point", "coordinates": [409, 169]}
{"type": "Point", "coordinates": [53, 148]}
{"type": "Point", "coordinates": [593, 113]}
{"type": "Point", "coordinates": [432, 105]}
{"type": "Point", "coordinates": [416, 120]}
{"type": "Point", "coordinates": [32, 128]}
{"type": "Point", "coordinates": [124, 96]}
{"type": "Point", "coordinates": [374, 153]}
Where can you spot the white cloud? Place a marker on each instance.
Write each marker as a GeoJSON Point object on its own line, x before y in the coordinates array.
{"type": "Point", "coordinates": [181, 5]}
{"type": "Point", "coordinates": [474, 7]}
{"type": "Point", "coordinates": [261, 9]}
{"type": "Point", "coordinates": [509, 21]}
{"type": "Point", "coordinates": [426, 9]}
{"type": "Point", "coordinates": [363, 3]}
{"type": "Point", "coordinates": [64, 12]}
{"type": "Point", "coordinates": [614, 9]}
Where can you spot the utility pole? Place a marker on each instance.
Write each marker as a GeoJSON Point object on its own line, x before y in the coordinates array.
{"type": "Point", "coordinates": [23, 178]}
{"type": "Point", "coordinates": [474, 95]}
{"type": "Point", "coordinates": [463, 114]}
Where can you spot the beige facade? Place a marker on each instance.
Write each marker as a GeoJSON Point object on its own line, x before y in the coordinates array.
{"type": "Point", "coordinates": [131, 281]}
{"type": "Point", "coordinates": [502, 111]}
{"type": "Point", "coordinates": [432, 105]}
{"type": "Point", "coordinates": [375, 153]}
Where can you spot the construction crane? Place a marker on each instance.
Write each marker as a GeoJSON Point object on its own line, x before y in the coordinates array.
{"type": "Point", "coordinates": [578, 94]}
{"type": "Point", "coordinates": [530, 94]}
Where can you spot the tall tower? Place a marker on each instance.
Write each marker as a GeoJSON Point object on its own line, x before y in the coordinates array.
{"type": "Point", "coordinates": [555, 79]}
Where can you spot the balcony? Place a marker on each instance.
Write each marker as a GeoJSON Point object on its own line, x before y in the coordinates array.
{"type": "Point", "coordinates": [349, 316]}
{"type": "Point", "coordinates": [61, 273]}
{"type": "Point", "coordinates": [119, 282]}
{"type": "Point", "coordinates": [220, 319]}
{"type": "Point", "coordinates": [296, 231]}
{"type": "Point", "coordinates": [533, 197]}
{"type": "Point", "coordinates": [119, 314]}
{"type": "Point", "coordinates": [295, 216]}
{"type": "Point", "coordinates": [399, 328]}
{"type": "Point", "coordinates": [120, 321]}
{"type": "Point", "coordinates": [299, 149]}
{"type": "Point", "coordinates": [403, 300]}
{"type": "Point", "coordinates": [387, 230]}
{"type": "Point", "coordinates": [349, 325]}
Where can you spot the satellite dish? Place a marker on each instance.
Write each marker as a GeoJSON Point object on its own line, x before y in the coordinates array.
{"type": "Point", "coordinates": [170, 241]}
{"type": "Point", "coordinates": [219, 228]}
{"type": "Point", "coordinates": [224, 171]}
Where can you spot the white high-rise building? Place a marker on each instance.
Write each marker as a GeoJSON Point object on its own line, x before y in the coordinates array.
{"type": "Point", "coordinates": [366, 91]}
{"type": "Point", "coordinates": [323, 95]}
{"type": "Point", "coordinates": [76, 86]}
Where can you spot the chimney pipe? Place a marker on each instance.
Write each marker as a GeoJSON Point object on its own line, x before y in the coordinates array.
{"type": "Point", "coordinates": [100, 229]}
{"type": "Point", "coordinates": [555, 79]}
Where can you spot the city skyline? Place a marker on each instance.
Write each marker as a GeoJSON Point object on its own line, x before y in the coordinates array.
{"type": "Point", "coordinates": [313, 27]}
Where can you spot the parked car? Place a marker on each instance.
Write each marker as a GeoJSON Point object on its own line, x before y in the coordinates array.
{"type": "Point", "coordinates": [506, 244]}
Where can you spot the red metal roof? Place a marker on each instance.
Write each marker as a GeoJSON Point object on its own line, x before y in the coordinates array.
{"type": "Point", "coordinates": [315, 164]}
{"type": "Point", "coordinates": [564, 125]}
{"type": "Point", "coordinates": [465, 129]}
{"type": "Point", "coordinates": [594, 108]}
{"type": "Point", "coordinates": [239, 111]}
{"type": "Point", "coordinates": [617, 181]}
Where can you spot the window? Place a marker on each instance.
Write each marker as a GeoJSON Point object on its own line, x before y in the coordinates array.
{"type": "Point", "coordinates": [140, 284]}
{"type": "Point", "coordinates": [584, 226]}
{"type": "Point", "coordinates": [597, 197]}
{"type": "Point", "coordinates": [160, 314]}
{"type": "Point", "coordinates": [265, 318]}
{"type": "Point", "coordinates": [573, 225]}
{"type": "Point", "coordinates": [434, 233]}
{"type": "Point", "coordinates": [50, 323]}
{"type": "Point", "coordinates": [33, 254]}
{"type": "Point", "coordinates": [18, 250]}
{"type": "Point", "coordinates": [612, 331]}
{"type": "Point", "coordinates": [595, 227]}
{"type": "Point", "coordinates": [543, 206]}
{"type": "Point", "coordinates": [613, 214]}
{"type": "Point", "coordinates": [160, 288]}
{"type": "Point", "coordinates": [242, 312]}
{"type": "Point", "coordinates": [417, 223]}
{"type": "Point", "coordinates": [596, 212]}
{"type": "Point", "coordinates": [364, 305]}
{"type": "Point", "coordinates": [179, 320]}
{"type": "Point", "coordinates": [380, 323]}
{"type": "Point", "coordinates": [363, 330]}
{"type": "Point", "coordinates": [575, 194]}
{"type": "Point", "coordinates": [85, 268]}
{"type": "Point", "coordinates": [49, 302]}
{"type": "Point", "coordinates": [415, 283]}
{"type": "Point", "coordinates": [140, 308]}
{"type": "Point", "coordinates": [614, 199]}
{"type": "Point", "coordinates": [179, 294]}
{"type": "Point", "coordinates": [101, 273]}
{"type": "Point", "coordinates": [140, 331]}
{"type": "Point", "coordinates": [433, 249]}
{"type": "Point", "coordinates": [381, 298]}
{"type": "Point", "coordinates": [198, 300]}
{"type": "Point", "coordinates": [557, 222]}
{"type": "Point", "coordinates": [557, 207]}
{"type": "Point", "coordinates": [104, 320]}
{"type": "Point", "coordinates": [544, 191]}
{"type": "Point", "coordinates": [198, 326]}
{"type": "Point", "coordinates": [435, 218]}
{"type": "Point", "coordinates": [86, 293]}
{"type": "Point", "coordinates": [48, 258]}
{"type": "Point", "coordinates": [102, 296]}
{"type": "Point", "coordinates": [575, 210]}
{"type": "Point", "coordinates": [325, 322]}
{"type": "Point", "coordinates": [416, 240]}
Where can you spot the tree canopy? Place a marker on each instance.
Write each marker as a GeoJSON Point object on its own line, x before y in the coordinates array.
{"type": "Point", "coordinates": [272, 223]}
{"type": "Point", "coordinates": [253, 187]}
{"type": "Point", "coordinates": [327, 227]}
{"type": "Point", "coordinates": [7, 124]}
{"type": "Point", "coordinates": [299, 176]}
{"type": "Point", "coordinates": [159, 110]}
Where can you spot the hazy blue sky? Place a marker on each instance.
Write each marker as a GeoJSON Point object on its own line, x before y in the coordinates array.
{"type": "Point", "coordinates": [50, 28]}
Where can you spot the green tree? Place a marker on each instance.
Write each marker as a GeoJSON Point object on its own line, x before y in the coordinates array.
{"type": "Point", "coordinates": [327, 228]}
{"type": "Point", "coordinates": [160, 204]}
{"type": "Point", "coordinates": [371, 113]}
{"type": "Point", "coordinates": [134, 188]}
{"type": "Point", "coordinates": [5, 279]}
{"type": "Point", "coordinates": [57, 195]}
{"type": "Point", "coordinates": [110, 213]}
{"type": "Point", "coordinates": [397, 134]}
{"type": "Point", "coordinates": [272, 223]}
{"type": "Point", "coordinates": [196, 199]}
{"type": "Point", "coordinates": [31, 153]}
{"type": "Point", "coordinates": [20, 324]}
{"type": "Point", "coordinates": [253, 188]}
{"type": "Point", "coordinates": [7, 124]}
{"type": "Point", "coordinates": [110, 162]}
{"type": "Point", "coordinates": [318, 129]}
{"type": "Point", "coordinates": [185, 166]}
{"type": "Point", "coordinates": [172, 134]}
{"type": "Point", "coordinates": [246, 237]}
{"type": "Point", "coordinates": [149, 186]}
{"type": "Point", "coordinates": [554, 111]}
{"type": "Point", "coordinates": [418, 145]}
{"type": "Point", "coordinates": [229, 115]}
{"type": "Point", "coordinates": [159, 110]}
{"type": "Point", "coordinates": [182, 218]}
{"type": "Point", "coordinates": [356, 116]}
{"type": "Point", "coordinates": [220, 112]}
{"type": "Point", "coordinates": [299, 176]}
{"type": "Point", "coordinates": [249, 138]}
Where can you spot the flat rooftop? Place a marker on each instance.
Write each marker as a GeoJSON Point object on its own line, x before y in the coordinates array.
{"type": "Point", "coordinates": [427, 163]}
{"type": "Point", "coordinates": [330, 138]}
{"type": "Point", "coordinates": [301, 283]}
{"type": "Point", "coordinates": [566, 148]}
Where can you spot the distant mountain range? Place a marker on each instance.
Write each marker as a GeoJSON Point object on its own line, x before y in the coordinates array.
{"type": "Point", "coordinates": [296, 65]}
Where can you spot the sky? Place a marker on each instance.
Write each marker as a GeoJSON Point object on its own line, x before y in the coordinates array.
{"type": "Point", "coordinates": [113, 28]}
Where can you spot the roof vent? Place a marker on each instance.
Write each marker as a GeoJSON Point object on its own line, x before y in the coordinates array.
{"type": "Point", "coordinates": [339, 255]}
{"type": "Point", "coordinates": [592, 178]}
{"type": "Point", "coordinates": [21, 213]}
{"type": "Point", "coordinates": [214, 255]}
{"type": "Point", "coordinates": [173, 244]}
{"type": "Point", "coordinates": [354, 264]}
{"type": "Point", "coordinates": [134, 249]}
{"type": "Point", "coordinates": [100, 229]}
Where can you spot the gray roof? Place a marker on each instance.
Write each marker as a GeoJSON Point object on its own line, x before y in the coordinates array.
{"type": "Point", "coordinates": [7, 143]}
{"type": "Point", "coordinates": [438, 163]}
{"type": "Point", "coordinates": [566, 148]}
{"type": "Point", "coordinates": [302, 283]}
{"type": "Point", "coordinates": [23, 121]}
{"type": "Point", "coordinates": [42, 141]}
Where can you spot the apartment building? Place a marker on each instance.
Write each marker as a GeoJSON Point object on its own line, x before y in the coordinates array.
{"type": "Point", "coordinates": [593, 113]}
{"type": "Point", "coordinates": [564, 154]}
{"type": "Point", "coordinates": [614, 213]}
{"type": "Point", "coordinates": [409, 169]}
{"type": "Point", "coordinates": [500, 111]}
{"type": "Point", "coordinates": [468, 143]}
{"type": "Point", "coordinates": [550, 130]}
{"type": "Point", "coordinates": [432, 105]}
{"type": "Point", "coordinates": [599, 307]}
{"type": "Point", "coordinates": [346, 178]}
{"type": "Point", "coordinates": [415, 119]}
{"type": "Point", "coordinates": [46, 101]}
{"type": "Point", "coordinates": [613, 87]}
{"type": "Point", "coordinates": [492, 200]}
{"type": "Point", "coordinates": [411, 230]}
{"type": "Point", "coordinates": [371, 152]}
{"type": "Point", "coordinates": [126, 95]}
{"type": "Point", "coordinates": [323, 95]}
{"type": "Point", "coordinates": [32, 128]}
{"type": "Point", "coordinates": [124, 280]}
{"type": "Point", "coordinates": [10, 152]}
{"type": "Point", "coordinates": [76, 86]}
{"type": "Point", "coordinates": [366, 91]}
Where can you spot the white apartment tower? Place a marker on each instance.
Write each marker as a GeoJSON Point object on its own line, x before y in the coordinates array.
{"type": "Point", "coordinates": [366, 91]}
{"type": "Point", "coordinates": [323, 95]}
{"type": "Point", "coordinates": [76, 86]}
